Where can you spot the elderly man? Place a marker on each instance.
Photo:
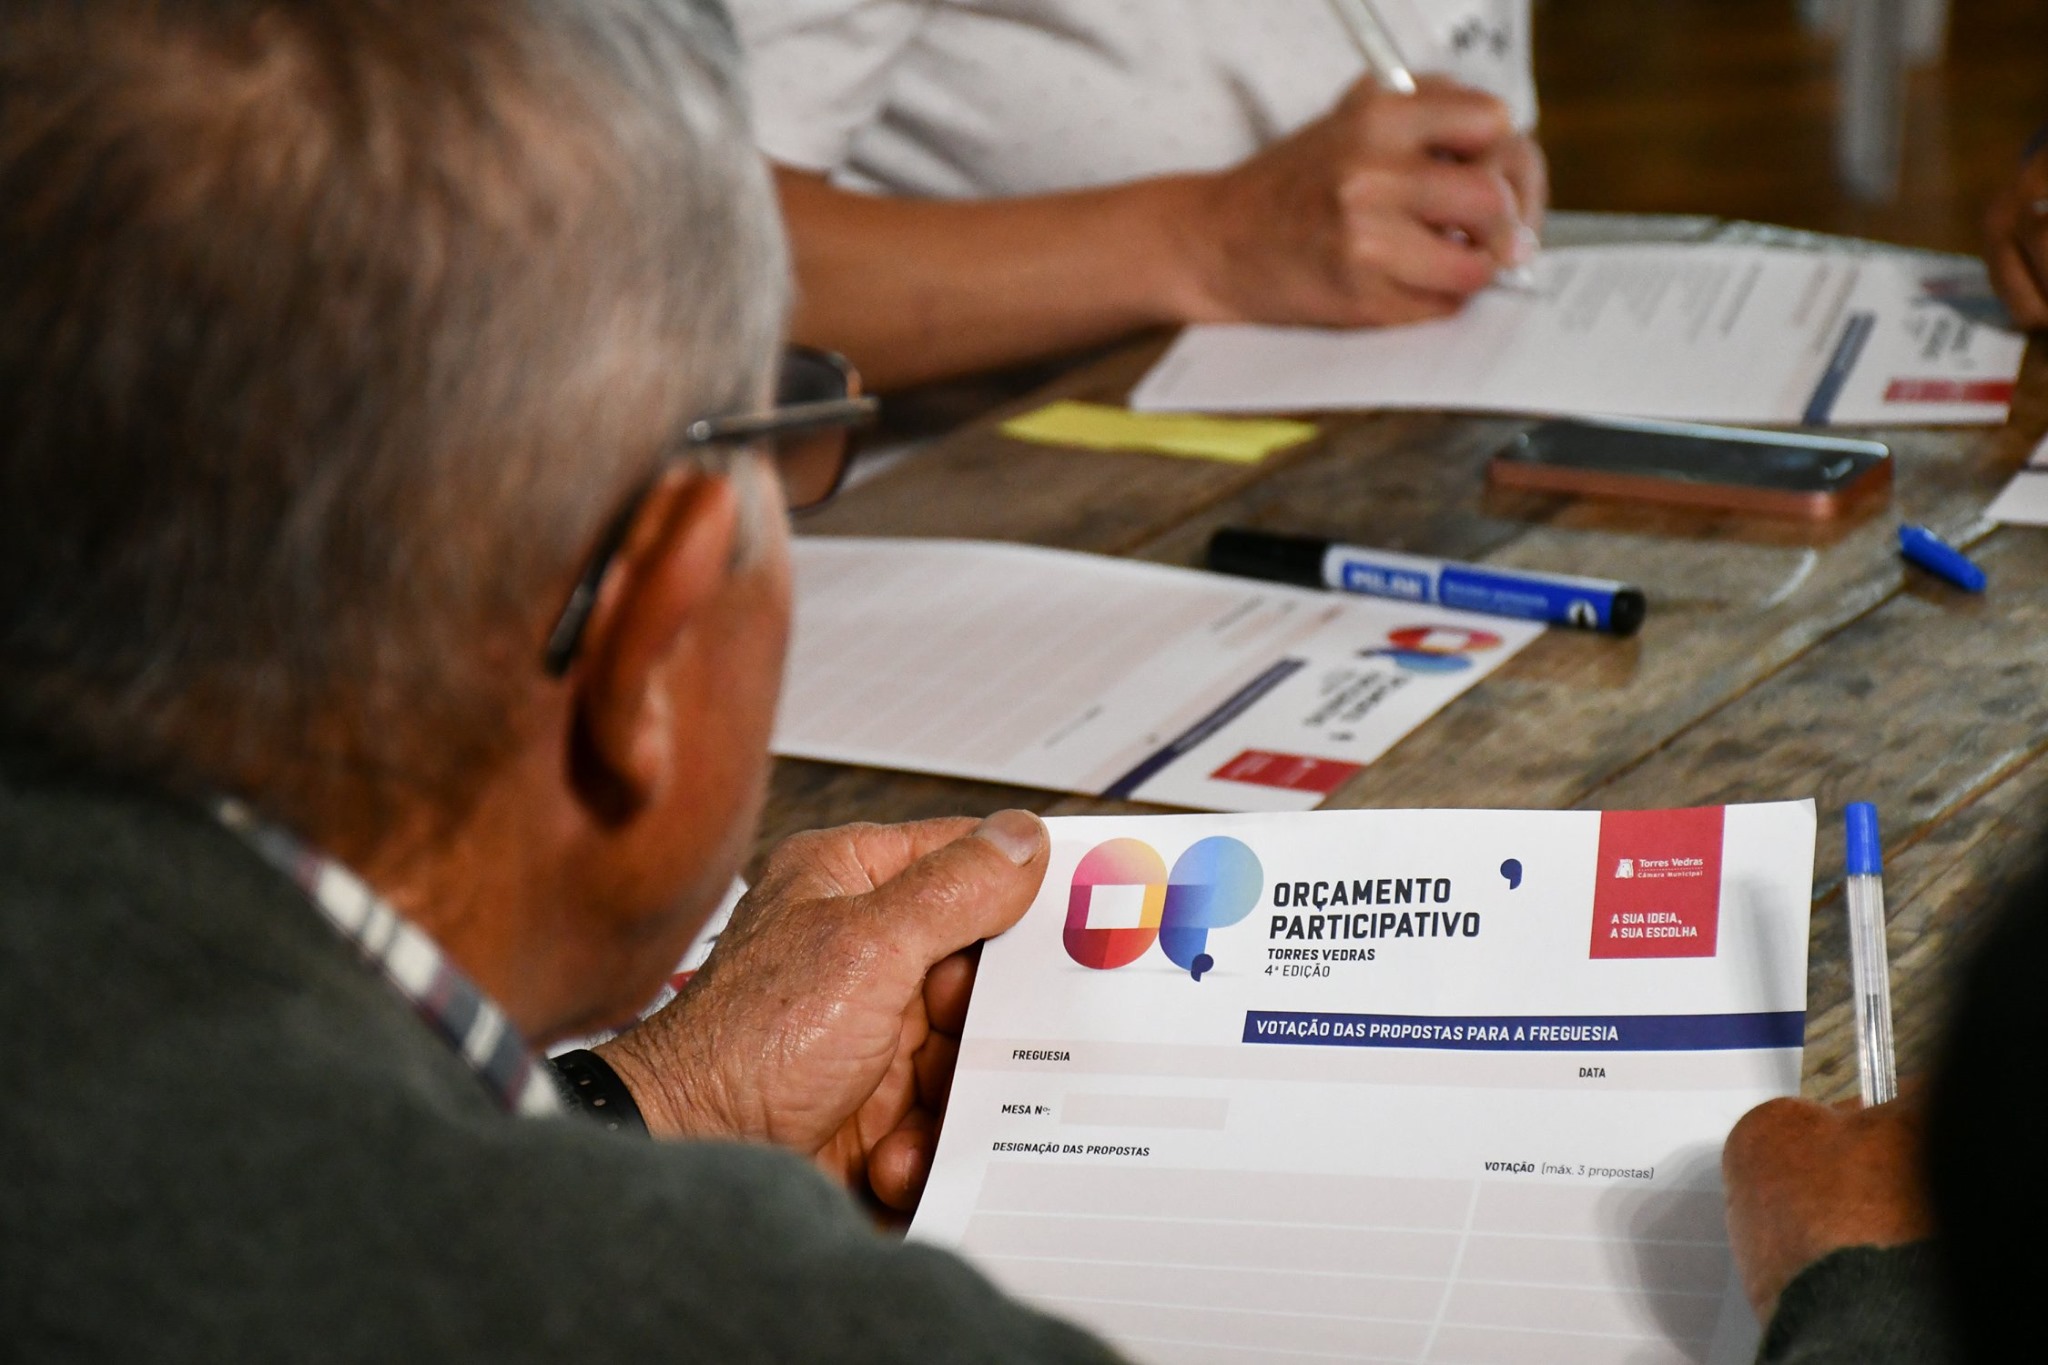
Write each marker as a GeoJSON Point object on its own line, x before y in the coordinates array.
{"type": "Point", "coordinates": [332, 336]}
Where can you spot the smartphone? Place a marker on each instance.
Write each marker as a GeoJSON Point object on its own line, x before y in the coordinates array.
{"type": "Point", "coordinates": [1769, 473]}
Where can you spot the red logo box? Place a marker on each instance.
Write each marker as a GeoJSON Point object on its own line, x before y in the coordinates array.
{"type": "Point", "coordinates": [1657, 890]}
{"type": "Point", "coordinates": [1949, 391]}
{"type": "Point", "coordinates": [1289, 772]}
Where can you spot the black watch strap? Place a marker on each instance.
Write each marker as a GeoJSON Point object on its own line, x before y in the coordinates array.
{"type": "Point", "coordinates": [591, 1087]}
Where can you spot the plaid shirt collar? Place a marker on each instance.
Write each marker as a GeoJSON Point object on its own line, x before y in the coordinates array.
{"type": "Point", "coordinates": [462, 1015]}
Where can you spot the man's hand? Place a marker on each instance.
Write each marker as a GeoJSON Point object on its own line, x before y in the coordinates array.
{"type": "Point", "coordinates": [827, 1021]}
{"type": "Point", "coordinates": [2016, 243]}
{"type": "Point", "coordinates": [1804, 1180]}
{"type": "Point", "coordinates": [1390, 208]}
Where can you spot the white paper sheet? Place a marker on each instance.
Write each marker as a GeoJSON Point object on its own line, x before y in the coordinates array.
{"type": "Point", "coordinates": [1082, 673]}
{"type": "Point", "coordinates": [1681, 332]}
{"type": "Point", "coordinates": [2024, 501]}
{"type": "Point", "coordinates": [1382, 1085]}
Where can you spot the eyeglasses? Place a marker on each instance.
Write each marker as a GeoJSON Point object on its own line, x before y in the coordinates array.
{"type": "Point", "coordinates": [809, 433]}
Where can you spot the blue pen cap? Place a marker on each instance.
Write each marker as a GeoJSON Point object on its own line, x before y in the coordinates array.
{"type": "Point", "coordinates": [1921, 546]}
{"type": "Point", "coordinates": [1866, 858]}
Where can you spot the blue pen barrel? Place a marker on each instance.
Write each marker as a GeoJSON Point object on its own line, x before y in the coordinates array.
{"type": "Point", "coordinates": [1922, 547]}
{"type": "Point", "coordinates": [1562, 601]}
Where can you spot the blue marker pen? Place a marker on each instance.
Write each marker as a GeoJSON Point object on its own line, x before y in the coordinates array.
{"type": "Point", "coordinates": [1311, 562]}
{"type": "Point", "coordinates": [1921, 546]}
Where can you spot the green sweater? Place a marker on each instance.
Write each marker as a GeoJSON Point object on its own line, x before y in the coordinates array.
{"type": "Point", "coordinates": [223, 1139]}
{"type": "Point", "coordinates": [1861, 1306]}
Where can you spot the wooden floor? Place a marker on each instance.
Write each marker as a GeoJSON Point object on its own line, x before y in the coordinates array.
{"type": "Point", "coordinates": [1726, 107]}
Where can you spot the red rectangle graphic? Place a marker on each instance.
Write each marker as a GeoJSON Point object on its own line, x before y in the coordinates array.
{"type": "Point", "coordinates": [1949, 391]}
{"type": "Point", "coordinates": [1657, 888]}
{"type": "Point", "coordinates": [1290, 772]}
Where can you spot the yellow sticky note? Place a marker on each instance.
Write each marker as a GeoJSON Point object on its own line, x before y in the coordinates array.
{"type": "Point", "coordinates": [1097, 426]}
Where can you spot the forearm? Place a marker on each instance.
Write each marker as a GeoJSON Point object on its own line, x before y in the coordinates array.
{"type": "Point", "coordinates": [919, 290]}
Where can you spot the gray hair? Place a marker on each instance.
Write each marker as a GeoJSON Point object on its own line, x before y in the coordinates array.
{"type": "Point", "coordinates": [331, 334]}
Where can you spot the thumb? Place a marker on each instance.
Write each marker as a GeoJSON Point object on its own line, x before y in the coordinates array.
{"type": "Point", "coordinates": [965, 891]}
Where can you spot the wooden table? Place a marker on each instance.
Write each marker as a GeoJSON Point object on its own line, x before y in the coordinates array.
{"type": "Point", "coordinates": [1780, 660]}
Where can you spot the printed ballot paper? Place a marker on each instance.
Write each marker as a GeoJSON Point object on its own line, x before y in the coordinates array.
{"type": "Point", "coordinates": [2024, 501]}
{"type": "Point", "coordinates": [1108, 676]}
{"type": "Point", "coordinates": [1692, 333]}
{"type": "Point", "coordinates": [1382, 1085]}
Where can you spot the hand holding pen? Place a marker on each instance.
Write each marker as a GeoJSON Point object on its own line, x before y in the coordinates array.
{"type": "Point", "coordinates": [1389, 70]}
{"type": "Point", "coordinates": [1805, 1180]}
{"type": "Point", "coordinates": [1390, 208]}
{"type": "Point", "coordinates": [1360, 218]}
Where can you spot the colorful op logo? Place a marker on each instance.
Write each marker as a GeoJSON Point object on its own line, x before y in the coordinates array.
{"type": "Point", "coordinates": [1434, 649]}
{"type": "Point", "coordinates": [1123, 900]}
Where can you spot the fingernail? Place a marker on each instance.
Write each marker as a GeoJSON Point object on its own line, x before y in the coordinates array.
{"type": "Point", "coordinates": [1518, 279]}
{"type": "Point", "coordinates": [1527, 244]}
{"type": "Point", "coordinates": [1017, 834]}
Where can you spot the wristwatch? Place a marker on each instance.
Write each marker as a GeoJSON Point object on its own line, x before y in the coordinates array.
{"type": "Point", "coordinates": [591, 1087]}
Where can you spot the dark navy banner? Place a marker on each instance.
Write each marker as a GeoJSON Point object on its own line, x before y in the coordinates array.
{"type": "Point", "coordinates": [1538, 1033]}
{"type": "Point", "coordinates": [1234, 706]}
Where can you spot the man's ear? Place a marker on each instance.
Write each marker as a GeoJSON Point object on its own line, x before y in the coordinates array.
{"type": "Point", "coordinates": [677, 559]}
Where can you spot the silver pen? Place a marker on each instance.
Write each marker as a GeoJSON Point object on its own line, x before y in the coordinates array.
{"type": "Point", "coordinates": [1390, 70]}
{"type": "Point", "coordinates": [1382, 56]}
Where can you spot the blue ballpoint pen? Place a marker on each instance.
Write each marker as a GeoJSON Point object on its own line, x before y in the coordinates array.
{"type": "Point", "coordinates": [1870, 972]}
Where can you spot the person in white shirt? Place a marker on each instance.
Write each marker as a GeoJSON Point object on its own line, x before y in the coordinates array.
{"type": "Point", "coordinates": [976, 183]}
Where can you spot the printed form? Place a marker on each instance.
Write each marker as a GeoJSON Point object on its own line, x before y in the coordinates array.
{"type": "Point", "coordinates": [1682, 333]}
{"type": "Point", "coordinates": [1110, 677]}
{"type": "Point", "coordinates": [1415, 1086]}
{"type": "Point", "coordinates": [2024, 501]}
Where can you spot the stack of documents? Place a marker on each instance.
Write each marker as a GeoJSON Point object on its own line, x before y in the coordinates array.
{"type": "Point", "coordinates": [1745, 334]}
{"type": "Point", "coordinates": [1382, 1085]}
{"type": "Point", "coordinates": [1110, 677]}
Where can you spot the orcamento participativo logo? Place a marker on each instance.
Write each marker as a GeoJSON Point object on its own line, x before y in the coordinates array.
{"type": "Point", "coordinates": [1123, 900]}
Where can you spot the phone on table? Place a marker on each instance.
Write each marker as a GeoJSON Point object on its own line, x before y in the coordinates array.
{"type": "Point", "coordinates": [1768, 473]}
